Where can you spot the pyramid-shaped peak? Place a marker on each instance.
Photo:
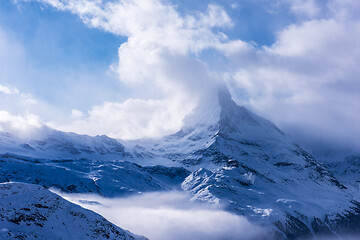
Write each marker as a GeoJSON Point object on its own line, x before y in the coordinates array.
{"type": "Point", "coordinates": [224, 95]}
{"type": "Point", "coordinates": [219, 114]}
{"type": "Point", "coordinates": [228, 107]}
{"type": "Point", "coordinates": [209, 108]}
{"type": "Point", "coordinates": [219, 97]}
{"type": "Point", "coordinates": [213, 107]}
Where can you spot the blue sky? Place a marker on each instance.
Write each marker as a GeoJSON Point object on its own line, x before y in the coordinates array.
{"type": "Point", "coordinates": [62, 55]}
{"type": "Point", "coordinates": [132, 68]}
{"type": "Point", "coordinates": [59, 42]}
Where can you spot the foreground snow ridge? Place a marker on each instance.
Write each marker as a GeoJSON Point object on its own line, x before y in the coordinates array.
{"type": "Point", "coordinates": [32, 212]}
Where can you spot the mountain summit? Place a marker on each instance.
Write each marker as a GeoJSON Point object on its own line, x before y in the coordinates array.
{"type": "Point", "coordinates": [223, 115]}
{"type": "Point", "coordinates": [218, 130]}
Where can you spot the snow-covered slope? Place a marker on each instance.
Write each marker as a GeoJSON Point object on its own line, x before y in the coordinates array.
{"type": "Point", "coordinates": [343, 161]}
{"type": "Point", "coordinates": [50, 143]}
{"type": "Point", "coordinates": [32, 212]}
{"type": "Point", "coordinates": [105, 177]}
{"type": "Point", "coordinates": [347, 170]}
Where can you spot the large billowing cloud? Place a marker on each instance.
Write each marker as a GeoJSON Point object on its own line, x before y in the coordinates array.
{"type": "Point", "coordinates": [133, 118]}
{"type": "Point", "coordinates": [160, 40]}
{"type": "Point", "coordinates": [159, 56]}
{"type": "Point", "coordinates": [307, 80]}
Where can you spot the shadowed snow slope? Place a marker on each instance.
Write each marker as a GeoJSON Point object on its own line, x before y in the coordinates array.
{"type": "Point", "coordinates": [32, 212]}
{"type": "Point", "coordinates": [105, 177]}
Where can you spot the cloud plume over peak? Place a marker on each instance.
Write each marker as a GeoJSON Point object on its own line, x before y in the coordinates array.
{"type": "Point", "coordinates": [305, 80]}
{"type": "Point", "coordinates": [160, 54]}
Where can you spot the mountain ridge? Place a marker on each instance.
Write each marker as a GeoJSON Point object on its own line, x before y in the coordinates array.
{"type": "Point", "coordinates": [224, 154]}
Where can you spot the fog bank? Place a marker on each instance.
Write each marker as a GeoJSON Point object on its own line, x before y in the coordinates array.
{"type": "Point", "coordinates": [169, 215]}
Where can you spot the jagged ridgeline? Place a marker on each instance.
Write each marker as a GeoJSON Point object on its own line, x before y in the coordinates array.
{"type": "Point", "coordinates": [223, 154]}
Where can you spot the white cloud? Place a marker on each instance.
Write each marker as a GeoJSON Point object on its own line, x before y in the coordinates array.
{"type": "Point", "coordinates": [308, 8]}
{"type": "Point", "coordinates": [134, 118]}
{"type": "Point", "coordinates": [16, 102]}
{"type": "Point", "coordinates": [308, 79]}
{"type": "Point", "coordinates": [156, 56]}
{"type": "Point", "coordinates": [7, 90]}
{"type": "Point", "coordinates": [151, 25]}
{"type": "Point", "coordinates": [22, 126]}
{"type": "Point", "coordinates": [17, 115]}
{"type": "Point", "coordinates": [170, 216]}
{"type": "Point", "coordinates": [77, 113]}
{"type": "Point", "coordinates": [345, 9]}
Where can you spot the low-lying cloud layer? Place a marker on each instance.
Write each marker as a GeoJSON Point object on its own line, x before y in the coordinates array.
{"type": "Point", "coordinates": [169, 216]}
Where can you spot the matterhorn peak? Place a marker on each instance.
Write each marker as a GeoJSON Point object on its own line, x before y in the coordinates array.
{"type": "Point", "coordinates": [210, 106]}
{"type": "Point", "coordinates": [218, 114]}
{"type": "Point", "coordinates": [224, 97]}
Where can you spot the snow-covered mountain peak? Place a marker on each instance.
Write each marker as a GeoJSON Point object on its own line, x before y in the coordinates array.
{"type": "Point", "coordinates": [216, 131]}
{"type": "Point", "coordinates": [224, 98]}
{"type": "Point", "coordinates": [237, 121]}
{"type": "Point", "coordinates": [218, 114]}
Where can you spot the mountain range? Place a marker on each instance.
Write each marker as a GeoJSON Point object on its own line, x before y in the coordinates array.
{"type": "Point", "coordinates": [223, 154]}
